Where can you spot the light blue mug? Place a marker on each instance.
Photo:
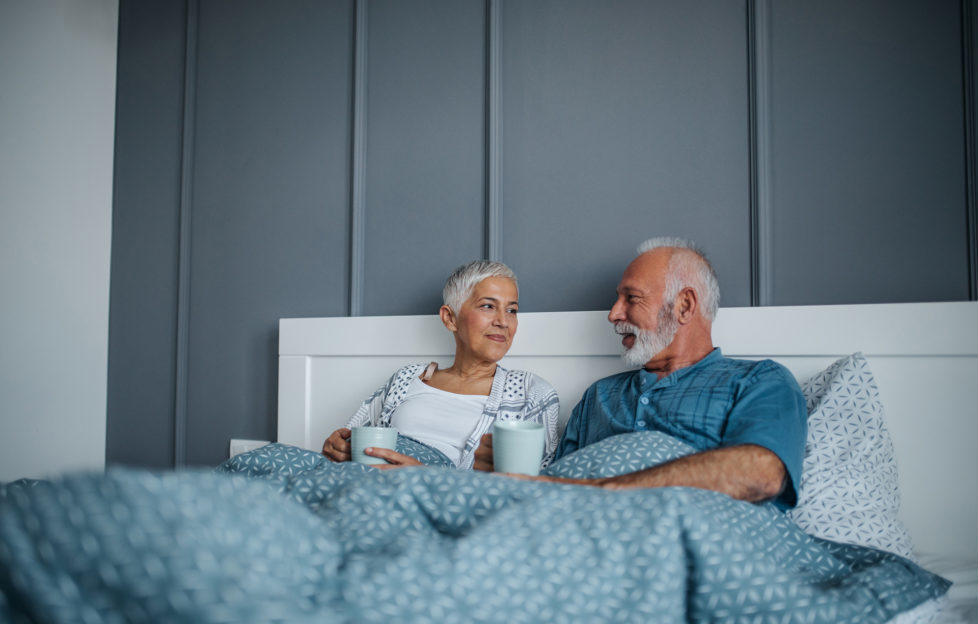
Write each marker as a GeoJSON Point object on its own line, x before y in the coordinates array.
{"type": "Point", "coordinates": [380, 437]}
{"type": "Point", "coordinates": [517, 446]}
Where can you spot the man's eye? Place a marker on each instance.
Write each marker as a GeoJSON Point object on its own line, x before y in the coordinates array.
{"type": "Point", "coordinates": [512, 310]}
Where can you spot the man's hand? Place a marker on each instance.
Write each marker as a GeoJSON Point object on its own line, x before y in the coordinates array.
{"type": "Point", "coordinates": [337, 445]}
{"type": "Point", "coordinates": [393, 458]}
{"type": "Point", "coordinates": [483, 454]}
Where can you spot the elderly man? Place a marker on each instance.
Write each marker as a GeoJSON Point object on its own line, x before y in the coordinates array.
{"type": "Point", "coordinates": [746, 419]}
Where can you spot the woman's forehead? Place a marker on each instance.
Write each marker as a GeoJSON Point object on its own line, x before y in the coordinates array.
{"type": "Point", "coordinates": [501, 288]}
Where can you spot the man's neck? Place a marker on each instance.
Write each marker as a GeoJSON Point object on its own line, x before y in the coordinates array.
{"type": "Point", "coordinates": [683, 352]}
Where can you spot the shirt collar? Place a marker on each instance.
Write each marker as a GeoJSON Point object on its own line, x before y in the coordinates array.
{"type": "Point", "coordinates": [650, 380]}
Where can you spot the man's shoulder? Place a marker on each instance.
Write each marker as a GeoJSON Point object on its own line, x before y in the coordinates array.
{"type": "Point", "coordinates": [612, 381]}
{"type": "Point", "coordinates": [749, 371]}
{"type": "Point", "coordinates": [757, 367]}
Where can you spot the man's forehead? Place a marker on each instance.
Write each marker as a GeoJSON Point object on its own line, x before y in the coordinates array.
{"type": "Point", "coordinates": [645, 271]}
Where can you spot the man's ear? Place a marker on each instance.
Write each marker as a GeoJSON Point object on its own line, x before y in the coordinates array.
{"type": "Point", "coordinates": [448, 318]}
{"type": "Point", "coordinates": [686, 305]}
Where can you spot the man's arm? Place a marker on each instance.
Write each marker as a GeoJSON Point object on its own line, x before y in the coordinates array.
{"type": "Point", "coordinates": [746, 472]}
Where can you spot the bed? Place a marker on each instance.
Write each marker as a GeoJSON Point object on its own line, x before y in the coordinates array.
{"type": "Point", "coordinates": [437, 544]}
{"type": "Point", "coordinates": [922, 357]}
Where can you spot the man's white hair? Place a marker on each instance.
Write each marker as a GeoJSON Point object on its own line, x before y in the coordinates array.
{"type": "Point", "coordinates": [465, 278]}
{"type": "Point", "coordinates": [688, 269]}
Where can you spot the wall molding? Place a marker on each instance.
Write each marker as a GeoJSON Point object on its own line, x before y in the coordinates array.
{"type": "Point", "coordinates": [493, 244]}
{"type": "Point", "coordinates": [968, 62]}
{"type": "Point", "coordinates": [358, 149]}
{"type": "Point", "coordinates": [759, 107]}
{"type": "Point", "coordinates": [182, 373]}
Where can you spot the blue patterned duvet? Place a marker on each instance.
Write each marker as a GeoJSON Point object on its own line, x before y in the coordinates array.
{"type": "Point", "coordinates": [283, 535]}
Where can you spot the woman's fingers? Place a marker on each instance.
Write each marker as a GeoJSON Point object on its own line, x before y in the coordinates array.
{"type": "Point", "coordinates": [483, 454]}
{"type": "Point", "coordinates": [337, 445]}
{"type": "Point", "coordinates": [394, 459]}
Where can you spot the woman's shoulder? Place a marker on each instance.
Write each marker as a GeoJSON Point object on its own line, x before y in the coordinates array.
{"type": "Point", "coordinates": [406, 372]}
{"type": "Point", "coordinates": [535, 384]}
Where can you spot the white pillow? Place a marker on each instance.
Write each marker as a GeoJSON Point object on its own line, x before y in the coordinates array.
{"type": "Point", "coordinates": [849, 491]}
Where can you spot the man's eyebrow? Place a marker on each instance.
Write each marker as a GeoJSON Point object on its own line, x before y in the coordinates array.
{"type": "Point", "coordinates": [630, 289]}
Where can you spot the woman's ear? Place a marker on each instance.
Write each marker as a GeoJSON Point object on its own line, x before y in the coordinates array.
{"type": "Point", "coordinates": [448, 318]}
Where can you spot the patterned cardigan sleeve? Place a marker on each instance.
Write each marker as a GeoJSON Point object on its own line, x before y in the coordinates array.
{"type": "Point", "coordinates": [543, 406]}
{"type": "Point", "coordinates": [369, 411]}
{"type": "Point", "coordinates": [376, 409]}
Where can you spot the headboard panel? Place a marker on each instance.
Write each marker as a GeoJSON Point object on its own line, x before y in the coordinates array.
{"type": "Point", "coordinates": [924, 357]}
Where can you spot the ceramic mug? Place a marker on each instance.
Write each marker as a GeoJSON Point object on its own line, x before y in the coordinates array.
{"type": "Point", "coordinates": [380, 437]}
{"type": "Point", "coordinates": [517, 446]}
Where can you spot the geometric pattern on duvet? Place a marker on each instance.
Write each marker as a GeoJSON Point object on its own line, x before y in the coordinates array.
{"type": "Point", "coordinates": [305, 540]}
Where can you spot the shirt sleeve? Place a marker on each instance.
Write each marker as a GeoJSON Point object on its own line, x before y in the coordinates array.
{"type": "Point", "coordinates": [770, 411]}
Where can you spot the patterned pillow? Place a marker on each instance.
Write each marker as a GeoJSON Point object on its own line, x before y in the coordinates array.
{"type": "Point", "coordinates": [620, 454]}
{"type": "Point", "coordinates": [849, 491]}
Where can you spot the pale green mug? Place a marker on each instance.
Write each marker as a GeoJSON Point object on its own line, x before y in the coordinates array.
{"type": "Point", "coordinates": [378, 437]}
{"type": "Point", "coordinates": [517, 446]}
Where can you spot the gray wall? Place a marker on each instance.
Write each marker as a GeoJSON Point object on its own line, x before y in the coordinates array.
{"type": "Point", "coordinates": [305, 158]}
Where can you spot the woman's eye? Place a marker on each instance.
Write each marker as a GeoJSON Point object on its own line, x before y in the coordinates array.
{"type": "Point", "coordinates": [512, 310]}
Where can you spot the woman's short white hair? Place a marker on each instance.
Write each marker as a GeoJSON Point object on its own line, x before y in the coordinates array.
{"type": "Point", "coordinates": [465, 278]}
{"type": "Point", "coordinates": [688, 269]}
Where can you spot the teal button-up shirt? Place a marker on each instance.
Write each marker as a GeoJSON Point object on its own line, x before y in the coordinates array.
{"type": "Point", "coordinates": [714, 403]}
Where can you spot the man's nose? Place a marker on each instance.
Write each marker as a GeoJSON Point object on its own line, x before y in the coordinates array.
{"type": "Point", "coordinates": [616, 314]}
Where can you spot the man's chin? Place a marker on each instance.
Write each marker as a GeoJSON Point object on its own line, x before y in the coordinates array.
{"type": "Point", "coordinates": [635, 358]}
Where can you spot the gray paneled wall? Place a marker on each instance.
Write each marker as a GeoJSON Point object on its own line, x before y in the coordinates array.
{"type": "Point", "coordinates": [308, 158]}
{"type": "Point", "coordinates": [868, 148]}
{"type": "Point", "coordinates": [621, 120]}
{"type": "Point", "coordinates": [143, 316]}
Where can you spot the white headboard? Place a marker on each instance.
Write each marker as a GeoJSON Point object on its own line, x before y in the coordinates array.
{"type": "Point", "coordinates": [924, 357]}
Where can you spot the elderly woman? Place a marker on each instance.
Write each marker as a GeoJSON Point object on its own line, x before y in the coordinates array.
{"type": "Point", "coordinates": [452, 409]}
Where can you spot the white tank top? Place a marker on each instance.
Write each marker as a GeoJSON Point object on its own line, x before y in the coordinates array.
{"type": "Point", "coordinates": [440, 419]}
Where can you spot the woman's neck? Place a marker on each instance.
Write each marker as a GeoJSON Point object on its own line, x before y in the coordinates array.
{"type": "Point", "coordinates": [465, 377]}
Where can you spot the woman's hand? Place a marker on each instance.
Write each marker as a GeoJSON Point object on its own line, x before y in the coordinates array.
{"type": "Point", "coordinates": [394, 459]}
{"type": "Point", "coordinates": [483, 454]}
{"type": "Point", "coordinates": [337, 445]}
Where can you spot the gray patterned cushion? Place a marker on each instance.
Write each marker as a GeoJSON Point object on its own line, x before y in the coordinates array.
{"type": "Point", "coordinates": [620, 454]}
{"type": "Point", "coordinates": [849, 490]}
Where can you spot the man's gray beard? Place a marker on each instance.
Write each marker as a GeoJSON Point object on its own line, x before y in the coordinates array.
{"type": "Point", "coordinates": [649, 344]}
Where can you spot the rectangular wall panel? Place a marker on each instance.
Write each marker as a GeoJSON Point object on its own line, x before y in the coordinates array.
{"type": "Point", "coordinates": [425, 144]}
{"type": "Point", "coordinates": [270, 203]}
{"type": "Point", "coordinates": [145, 233]}
{"type": "Point", "coordinates": [867, 152]}
{"type": "Point", "coordinates": [621, 121]}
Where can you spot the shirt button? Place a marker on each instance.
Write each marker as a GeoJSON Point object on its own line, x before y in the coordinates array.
{"type": "Point", "coordinates": [640, 423]}
{"type": "Point", "coordinates": [644, 400]}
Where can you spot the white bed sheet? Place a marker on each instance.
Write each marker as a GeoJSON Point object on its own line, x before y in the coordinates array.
{"type": "Point", "coordinates": [961, 606]}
